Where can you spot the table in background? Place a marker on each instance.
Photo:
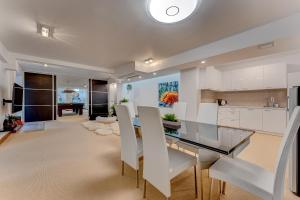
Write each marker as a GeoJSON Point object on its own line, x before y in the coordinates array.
{"type": "Point", "coordinates": [76, 107]}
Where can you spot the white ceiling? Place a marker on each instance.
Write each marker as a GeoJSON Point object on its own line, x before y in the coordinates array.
{"type": "Point", "coordinates": [109, 33]}
{"type": "Point", "coordinates": [63, 71]}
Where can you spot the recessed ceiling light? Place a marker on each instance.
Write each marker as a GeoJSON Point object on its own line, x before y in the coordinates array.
{"type": "Point", "coordinates": [85, 85]}
{"type": "Point", "coordinates": [154, 73]}
{"type": "Point", "coordinates": [45, 30]}
{"type": "Point", "coordinates": [140, 77]}
{"type": "Point", "coordinates": [45, 65]}
{"type": "Point", "coordinates": [171, 11]}
{"type": "Point", "coordinates": [203, 61]}
{"type": "Point", "coordinates": [129, 79]}
{"type": "Point", "coordinates": [149, 60]}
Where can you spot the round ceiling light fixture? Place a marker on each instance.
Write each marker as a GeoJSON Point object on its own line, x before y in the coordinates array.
{"type": "Point", "coordinates": [171, 11]}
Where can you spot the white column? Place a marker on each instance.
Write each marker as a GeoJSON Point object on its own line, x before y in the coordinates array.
{"type": "Point", "coordinates": [189, 92]}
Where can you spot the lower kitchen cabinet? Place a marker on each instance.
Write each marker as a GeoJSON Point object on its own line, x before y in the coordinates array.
{"type": "Point", "coordinates": [251, 118]}
{"type": "Point", "coordinates": [271, 120]}
{"type": "Point", "coordinates": [274, 120]}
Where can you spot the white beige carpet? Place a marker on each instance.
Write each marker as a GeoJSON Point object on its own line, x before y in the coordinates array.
{"type": "Point", "coordinates": [67, 162]}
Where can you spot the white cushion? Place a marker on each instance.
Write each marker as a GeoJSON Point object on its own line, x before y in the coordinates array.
{"type": "Point", "coordinates": [179, 161]}
{"type": "Point", "coordinates": [86, 124]}
{"type": "Point", "coordinates": [103, 132]}
{"type": "Point", "coordinates": [106, 120]}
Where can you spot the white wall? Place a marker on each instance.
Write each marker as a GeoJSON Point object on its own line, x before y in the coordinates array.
{"type": "Point", "coordinates": [112, 94]}
{"type": "Point", "coordinates": [7, 78]}
{"type": "Point", "coordinates": [145, 92]}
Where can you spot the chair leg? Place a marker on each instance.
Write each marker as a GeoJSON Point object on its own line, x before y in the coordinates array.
{"type": "Point", "coordinates": [220, 189]}
{"type": "Point", "coordinates": [122, 168]}
{"type": "Point", "coordinates": [224, 188]}
{"type": "Point", "coordinates": [196, 184]}
{"type": "Point", "coordinates": [145, 187]}
{"type": "Point", "coordinates": [137, 179]}
{"type": "Point", "coordinates": [201, 185]}
{"type": "Point", "coordinates": [211, 189]}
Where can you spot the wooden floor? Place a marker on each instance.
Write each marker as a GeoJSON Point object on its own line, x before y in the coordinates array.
{"type": "Point", "coordinates": [68, 162]}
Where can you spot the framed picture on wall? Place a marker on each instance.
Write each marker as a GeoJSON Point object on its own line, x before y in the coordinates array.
{"type": "Point", "coordinates": [167, 93]}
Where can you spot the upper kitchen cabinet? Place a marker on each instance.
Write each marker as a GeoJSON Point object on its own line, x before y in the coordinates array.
{"type": "Point", "coordinates": [212, 79]}
{"type": "Point", "coordinates": [250, 78]}
{"type": "Point", "coordinates": [227, 80]}
{"type": "Point", "coordinates": [275, 76]}
{"type": "Point", "coordinates": [254, 78]}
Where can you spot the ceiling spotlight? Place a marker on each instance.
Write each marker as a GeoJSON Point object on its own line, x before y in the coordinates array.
{"type": "Point", "coordinates": [149, 60]}
{"type": "Point", "coordinates": [154, 73]}
{"type": "Point", "coordinates": [45, 30]}
{"type": "Point", "coordinates": [140, 77]}
{"type": "Point", "coordinates": [45, 65]}
{"type": "Point", "coordinates": [85, 85]}
{"type": "Point", "coordinates": [203, 61]}
{"type": "Point", "coordinates": [129, 79]}
{"type": "Point", "coordinates": [171, 11]}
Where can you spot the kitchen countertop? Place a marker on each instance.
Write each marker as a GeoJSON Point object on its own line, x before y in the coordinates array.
{"type": "Point", "coordinates": [254, 107]}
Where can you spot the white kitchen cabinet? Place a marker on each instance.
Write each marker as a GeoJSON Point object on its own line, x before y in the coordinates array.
{"type": "Point", "coordinates": [254, 78]}
{"type": "Point", "coordinates": [274, 120]}
{"type": "Point", "coordinates": [227, 80]}
{"type": "Point", "coordinates": [251, 118]}
{"type": "Point", "coordinates": [250, 78]}
{"type": "Point", "coordinates": [271, 76]}
{"type": "Point", "coordinates": [275, 76]}
{"type": "Point", "coordinates": [229, 117]}
{"type": "Point", "coordinates": [213, 79]}
{"type": "Point", "coordinates": [238, 77]}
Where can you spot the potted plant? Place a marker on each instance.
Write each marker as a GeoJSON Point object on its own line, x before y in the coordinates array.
{"type": "Point", "coordinates": [11, 122]}
{"type": "Point", "coordinates": [113, 110]}
{"type": "Point", "coordinates": [124, 100]}
{"type": "Point", "coordinates": [170, 121]}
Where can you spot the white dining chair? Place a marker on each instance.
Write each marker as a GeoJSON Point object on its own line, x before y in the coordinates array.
{"type": "Point", "coordinates": [131, 109]}
{"type": "Point", "coordinates": [255, 179]}
{"type": "Point", "coordinates": [207, 114]}
{"type": "Point", "coordinates": [179, 109]}
{"type": "Point", "coordinates": [131, 146]}
{"type": "Point", "coordinates": [161, 164]}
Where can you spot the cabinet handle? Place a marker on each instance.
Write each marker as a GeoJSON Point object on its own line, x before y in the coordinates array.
{"type": "Point", "coordinates": [267, 110]}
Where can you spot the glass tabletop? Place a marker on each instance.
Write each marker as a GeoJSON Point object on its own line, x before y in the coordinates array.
{"type": "Point", "coordinates": [216, 138]}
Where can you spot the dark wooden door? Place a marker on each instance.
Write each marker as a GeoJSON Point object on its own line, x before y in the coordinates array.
{"type": "Point", "coordinates": [39, 95]}
{"type": "Point", "coordinates": [98, 98]}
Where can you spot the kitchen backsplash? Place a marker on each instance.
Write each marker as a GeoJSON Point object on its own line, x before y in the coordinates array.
{"type": "Point", "coordinates": [247, 98]}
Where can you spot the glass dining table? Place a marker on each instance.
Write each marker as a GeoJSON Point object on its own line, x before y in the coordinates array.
{"type": "Point", "coordinates": [226, 141]}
